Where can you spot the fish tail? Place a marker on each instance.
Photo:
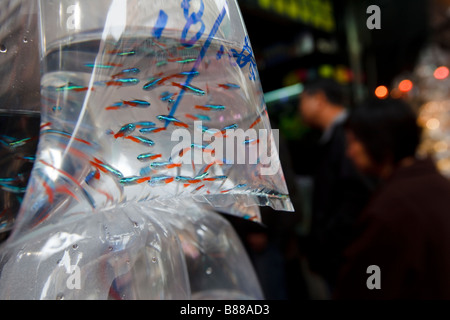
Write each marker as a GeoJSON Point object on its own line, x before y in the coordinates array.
{"type": "Point", "coordinates": [181, 124]}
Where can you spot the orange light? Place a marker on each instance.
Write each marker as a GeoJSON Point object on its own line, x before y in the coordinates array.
{"type": "Point", "coordinates": [441, 73]}
{"type": "Point", "coordinates": [381, 92]}
{"type": "Point", "coordinates": [396, 93]}
{"type": "Point", "coordinates": [405, 85]}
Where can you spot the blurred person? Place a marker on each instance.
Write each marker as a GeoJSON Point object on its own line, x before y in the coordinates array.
{"type": "Point", "coordinates": [340, 192]}
{"type": "Point", "coordinates": [405, 229]}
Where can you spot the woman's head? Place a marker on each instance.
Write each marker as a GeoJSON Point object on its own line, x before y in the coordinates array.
{"type": "Point", "coordinates": [382, 133]}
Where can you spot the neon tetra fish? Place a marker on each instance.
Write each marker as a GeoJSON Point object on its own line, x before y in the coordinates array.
{"type": "Point", "coordinates": [172, 120]}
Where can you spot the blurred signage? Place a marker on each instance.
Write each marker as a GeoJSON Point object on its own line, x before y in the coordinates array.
{"type": "Point", "coordinates": [315, 13]}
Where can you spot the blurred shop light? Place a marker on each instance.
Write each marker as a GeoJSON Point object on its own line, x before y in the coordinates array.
{"type": "Point", "coordinates": [433, 124]}
{"type": "Point", "coordinates": [283, 93]}
{"type": "Point", "coordinates": [381, 92]}
{"type": "Point", "coordinates": [441, 73]}
{"type": "Point", "coordinates": [405, 85]}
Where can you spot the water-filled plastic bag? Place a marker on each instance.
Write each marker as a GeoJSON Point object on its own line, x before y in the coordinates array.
{"type": "Point", "coordinates": [152, 119]}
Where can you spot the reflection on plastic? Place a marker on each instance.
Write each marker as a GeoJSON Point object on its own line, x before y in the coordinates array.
{"type": "Point", "coordinates": [132, 253]}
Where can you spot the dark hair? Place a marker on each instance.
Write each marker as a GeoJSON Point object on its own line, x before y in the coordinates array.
{"type": "Point", "coordinates": [333, 91]}
{"type": "Point", "coordinates": [387, 128]}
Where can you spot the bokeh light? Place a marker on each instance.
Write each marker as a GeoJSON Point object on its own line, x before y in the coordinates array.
{"type": "Point", "coordinates": [381, 92]}
{"type": "Point", "coordinates": [405, 85]}
{"type": "Point", "coordinates": [441, 73]}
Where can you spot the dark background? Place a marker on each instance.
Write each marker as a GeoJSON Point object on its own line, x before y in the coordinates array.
{"type": "Point", "coordinates": [291, 51]}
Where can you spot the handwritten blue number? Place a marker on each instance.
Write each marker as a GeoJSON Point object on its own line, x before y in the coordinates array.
{"type": "Point", "coordinates": [192, 19]}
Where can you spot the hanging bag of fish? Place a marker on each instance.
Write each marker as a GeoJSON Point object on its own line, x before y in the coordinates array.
{"type": "Point", "coordinates": [150, 101]}
{"type": "Point", "coordinates": [19, 105]}
{"type": "Point", "coordinates": [147, 107]}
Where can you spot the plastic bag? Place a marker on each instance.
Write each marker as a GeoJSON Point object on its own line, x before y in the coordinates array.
{"type": "Point", "coordinates": [19, 105]}
{"type": "Point", "coordinates": [140, 101]}
{"type": "Point", "coordinates": [131, 94]}
{"type": "Point", "coordinates": [132, 252]}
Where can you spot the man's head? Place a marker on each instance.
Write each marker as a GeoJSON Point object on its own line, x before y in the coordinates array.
{"type": "Point", "coordinates": [381, 134]}
{"type": "Point", "coordinates": [320, 100]}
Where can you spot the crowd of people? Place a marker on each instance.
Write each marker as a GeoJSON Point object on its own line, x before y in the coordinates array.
{"type": "Point", "coordinates": [380, 226]}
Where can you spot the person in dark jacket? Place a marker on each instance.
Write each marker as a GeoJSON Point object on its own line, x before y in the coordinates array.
{"type": "Point", "coordinates": [402, 247]}
{"type": "Point", "coordinates": [340, 191]}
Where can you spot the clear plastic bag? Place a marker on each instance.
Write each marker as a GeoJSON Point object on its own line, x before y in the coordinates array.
{"type": "Point", "coordinates": [152, 119]}
{"type": "Point", "coordinates": [132, 252]}
{"type": "Point", "coordinates": [19, 104]}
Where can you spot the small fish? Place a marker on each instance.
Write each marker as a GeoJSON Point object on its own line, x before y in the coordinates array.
{"type": "Point", "coordinates": [122, 53]}
{"type": "Point", "coordinates": [28, 158]}
{"type": "Point", "coordinates": [128, 81]}
{"type": "Point", "coordinates": [182, 61]}
{"type": "Point", "coordinates": [161, 63]}
{"type": "Point", "coordinates": [56, 108]}
{"type": "Point", "coordinates": [151, 130]}
{"type": "Point", "coordinates": [8, 180]}
{"type": "Point", "coordinates": [119, 82]}
{"type": "Point", "coordinates": [12, 189]}
{"type": "Point", "coordinates": [115, 106]}
{"type": "Point", "coordinates": [199, 188]}
{"type": "Point", "coordinates": [72, 87]}
{"type": "Point", "coordinates": [202, 117]}
{"type": "Point", "coordinates": [173, 120]}
{"type": "Point", "coordinates": [137, 103]}
{"type": "Point", "coordinates": [202, 176]}
{"type": "Point", "coordinates": [148, 156]}
{"type": "Point", "coordinates": [127, 53]}
{"type": "Point", "coordinates": [190, 73]}
{"type": "Point", "coordinates": [142, 140]}
{"type": "Point", "coordinates": [224, 130]}
{"type": "Point", "coordinates": [258, 120]}
{"type": "Point", "coordinates": [161, 179]}
{"type": "Point", "coordinates": [20, 143]}
{"type": "Point", "coordinates": [187, 180]}
{"type": "Point", "coordinates": [236, 187]}
{"type": "Point", "coordinates": [251, 141]}
{"type": "Point", "coordinates": [65, 134]}
{"type": "Point", "coordinates": [100, 66]}
{"type": "Point", "coordinates": [230, 127]}
{"type": "Point", "coordinates": [127, 71]}
{"type": "Point", "coordinates": [193, 89]}
{"type": "Point", "coordinates": [192, 117]}
{"type": "Point", "coordinates": [165, 165]}
{"type": "Point", "coordinates": [251, 218]}
{"type": "Point", "coordinates": [207, 130]}
{"type": "Point", "coordinates": [229, 86]}
{"type": "Point", "coordinates": [216, 178]}
{"type": "Point", "coordinates": [133, 180]}
{"type": "Point", "coordinates": [209, 107]}
{"type": "Point", "coordinates": [126, 129]}
{"type": "Point", "coordinates": [152, 83]}
{"type": "Point", "coordinates": [144, 124]}
{"type": "Point", "coordinates": [129, 103]}
{"type": "Point", "coordinates": [107, 167]}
